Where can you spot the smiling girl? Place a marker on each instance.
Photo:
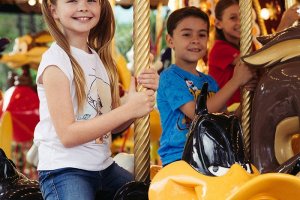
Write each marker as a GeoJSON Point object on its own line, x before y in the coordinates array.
{"type": "Point", "coordinates": [225, 51]}
{"type": "Point", "coordinates": [77, 86]}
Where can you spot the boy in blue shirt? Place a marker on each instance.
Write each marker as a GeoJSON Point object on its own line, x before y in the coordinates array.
{"type": "Point", "coordinates": [180, 84]}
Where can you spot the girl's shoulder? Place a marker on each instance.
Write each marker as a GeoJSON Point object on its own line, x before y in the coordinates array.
{"type": "Point", "coordinates": [56, 56]}
{"type": "Point", "coordinates": [222, 44]}
{"type": "Point", "coordinates": [221, 50]}
{"type": "Point", "coordinates": [55, 51]}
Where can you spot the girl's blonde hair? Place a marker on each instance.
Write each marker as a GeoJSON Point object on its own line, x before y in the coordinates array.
{"type": "Point", "coordinates": [100, 39]}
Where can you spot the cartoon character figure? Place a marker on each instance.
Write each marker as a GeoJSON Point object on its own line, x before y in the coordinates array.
{"type": "Point", "coordinates": [27, 50]}
{"type": "Point", "coordinates": [98, 102]}
{"type": "Point", "coordinates": [3, 43]}
{"type": "Point", "coordinates": [214, 165]}
{"type": "Point", "coordinates": [276, 102]}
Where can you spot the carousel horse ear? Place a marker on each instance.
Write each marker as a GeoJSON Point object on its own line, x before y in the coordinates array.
{"type": "Point", "coordinates": [3, 43]}
{"type": "Point", "coordinates": [7, 167]}
{"type": "Point", "coordinates": [14, 185]}
{"type": "Point", "coordinates": [201, 107]}
{"type": "Point", "coordinates": [133, 190]}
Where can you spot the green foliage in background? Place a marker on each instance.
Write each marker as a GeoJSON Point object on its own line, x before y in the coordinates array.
{"type": "Point", "coordinates": [123, 37]}
{"type": "Point", "coordinates": [13, 26]}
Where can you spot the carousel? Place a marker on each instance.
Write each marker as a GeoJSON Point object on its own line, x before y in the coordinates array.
{"type": "Point", "coordinates": [260, 156]}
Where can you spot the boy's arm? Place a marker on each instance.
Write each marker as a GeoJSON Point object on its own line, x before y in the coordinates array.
{"type": "Point", "coordinates": [217, 102]}
{"type": "Point", "coordinates": [189, 109]}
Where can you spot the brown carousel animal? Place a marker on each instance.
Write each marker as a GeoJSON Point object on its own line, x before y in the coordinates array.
{"type": "Point", "coordinates": [276, 103]}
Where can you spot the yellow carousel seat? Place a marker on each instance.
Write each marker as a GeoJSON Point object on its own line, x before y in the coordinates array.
{"type": "Point", "coordinates": [6, 133]}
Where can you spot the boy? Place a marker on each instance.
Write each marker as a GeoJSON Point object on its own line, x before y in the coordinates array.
{"type": "Point", "coordinates": [179, 85]}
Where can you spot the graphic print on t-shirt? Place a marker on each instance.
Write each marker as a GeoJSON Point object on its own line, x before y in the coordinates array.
{"type": "Point", "coordinates": [184, 122]}
{"type": "Point", "coordinates": [99, 98]}
{"type": "Point", "coordinates": [101, 103]}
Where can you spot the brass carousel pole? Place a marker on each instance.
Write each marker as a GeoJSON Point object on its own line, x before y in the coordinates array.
{"type": "Point", "coordinates": [245, 48]}
{"type": "Point", "coordinates": [260, 20]}
{"type": "Point", "coordinates": [141, 35]}
{"type": "Point", "coordinates": [289, 3]}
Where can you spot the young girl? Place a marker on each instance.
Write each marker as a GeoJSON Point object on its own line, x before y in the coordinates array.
{"type": "Point", "coordinates": [79, 102]}
{"type": "Point", "coordinates": [225, 51]}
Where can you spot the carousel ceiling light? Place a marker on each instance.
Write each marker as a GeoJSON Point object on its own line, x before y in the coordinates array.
{"type": "Point", "coordinates": [265, 13]}
{"type": "Point", "coordinates": [298, 10]}
{"type": "Point", "coordinates": [32, 2]}
{"type": "Point", "coordinates": [172, 5]}
{"type": "Point", "coordinates": [274, 10]}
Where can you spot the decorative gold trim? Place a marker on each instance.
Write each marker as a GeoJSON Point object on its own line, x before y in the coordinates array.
{"type": "Point", "coordinates": [289, 3]}
{"type": "Point", "coordinates": [261, 22]}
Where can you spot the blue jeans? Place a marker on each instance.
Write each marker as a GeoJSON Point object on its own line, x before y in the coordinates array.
{"type": "Point", "coordinates": [77, 184]}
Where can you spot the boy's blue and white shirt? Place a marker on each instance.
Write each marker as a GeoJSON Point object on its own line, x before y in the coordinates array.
{"type": "Point", "coordinates": [176, 88]}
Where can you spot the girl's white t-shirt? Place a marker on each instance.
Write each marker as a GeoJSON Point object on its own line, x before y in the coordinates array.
{"type": "Point", "coordinates": [94, 155]}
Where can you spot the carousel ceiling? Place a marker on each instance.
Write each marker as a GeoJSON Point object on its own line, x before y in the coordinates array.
{"type": "Point", "coordinates": [33, 6]}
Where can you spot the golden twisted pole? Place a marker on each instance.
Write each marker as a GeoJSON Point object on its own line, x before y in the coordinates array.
{"type": "Point", "coordinates": [289, 3]}
{"type": "Point", "coordinates": [141, 35]}
{"type": "Point", "coordinates": [245, 48]}
{"type": "Point", "coordinates": [159, 27]}
{"type": "Point", "coordinates": [260, 20]}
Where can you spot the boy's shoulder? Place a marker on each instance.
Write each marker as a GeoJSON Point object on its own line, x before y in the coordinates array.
{"type": "Point", "coordinates": [167, 71]}
{"type": "Point", "coordinates": [172, 69]}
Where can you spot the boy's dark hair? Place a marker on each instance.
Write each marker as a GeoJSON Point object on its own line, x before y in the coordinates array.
{"type": "Point", "coordinates": [219, 10]}
{"type": "Point", "coordinates": [180, 14]}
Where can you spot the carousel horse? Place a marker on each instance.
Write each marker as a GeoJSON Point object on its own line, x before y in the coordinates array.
{"type": "Point", "coordinates": [214, 165]}
{"type": "Point", "coordinates": [14, 185]}
{"type": "Point", "coordinates": [276, 102]}
{"type": "Point", "coordinates": [3, 43]}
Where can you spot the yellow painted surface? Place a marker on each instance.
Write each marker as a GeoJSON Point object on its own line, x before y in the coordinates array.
{"type": "Point", "coordinates": [181, 182]}
{"type": "Point", "coordinates": [6, 132]}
